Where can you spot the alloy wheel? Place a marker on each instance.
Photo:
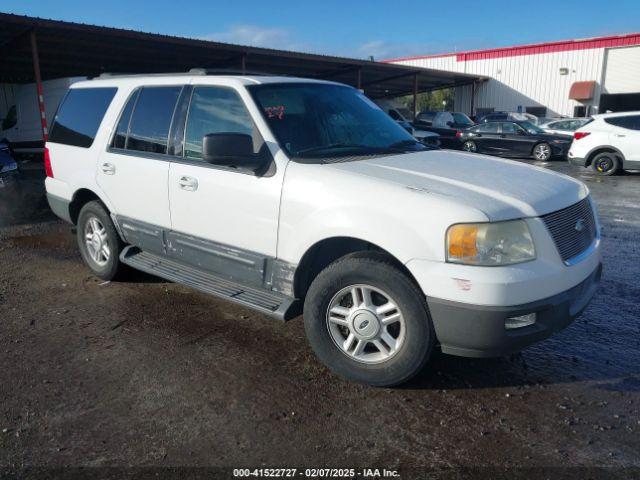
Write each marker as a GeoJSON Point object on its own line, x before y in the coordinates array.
{"type": "Point", "coordinates": [97, 241]}
{"type": "Point", "coordinates": [366, 324]}
{"type": "Point", "coordinates": [542, 152]}
{"type": "Point", "coordinates": [470, 147]}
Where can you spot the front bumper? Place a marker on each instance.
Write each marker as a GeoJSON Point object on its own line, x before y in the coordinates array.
{"type": "Point", "coordinates": [479, 331]}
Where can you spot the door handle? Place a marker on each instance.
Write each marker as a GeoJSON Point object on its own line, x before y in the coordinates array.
{"type": "Point", "coordinates": [188, 183]}
{"type": "Point", "coordinates": [620, 135]}
{"type": "Point", "coordinates": [108, 169]}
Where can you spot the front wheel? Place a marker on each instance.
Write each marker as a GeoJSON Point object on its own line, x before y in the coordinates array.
{"type": "Point", "coordinates": [368, 322]}
{"type": "Point", "coordinates": [99, 243]}
{"type": "Point", "coordinates": [542, 152]}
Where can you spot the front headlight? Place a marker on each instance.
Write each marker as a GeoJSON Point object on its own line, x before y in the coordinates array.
{"type": "Point", "coordinates": [490, 244]}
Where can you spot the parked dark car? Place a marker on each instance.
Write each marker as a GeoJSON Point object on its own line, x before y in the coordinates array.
{"type": "Point", "coordinates": [8, 165]}
{"type": "Point", "coordinates": [445, 124]}
{"type": "Point", "coordinates": [514, 139]}
{"type": "Point", "coordinates": [508, 116]}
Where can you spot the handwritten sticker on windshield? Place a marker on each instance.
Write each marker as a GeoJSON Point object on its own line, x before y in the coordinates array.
{"type": "Point", "coordinates": [277, 111]}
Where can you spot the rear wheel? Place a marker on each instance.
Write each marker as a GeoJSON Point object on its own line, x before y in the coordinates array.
{"type": "Point", "coordinates": [470, 146]}
{"type": "Point", "coordinates": [99, 243]}
{"type": "Point", "coordinates": [542, 152]}
{"type": "Point", "coordinates": [368, 322]}
{"type": "Point", "coordinates": [606, 164]}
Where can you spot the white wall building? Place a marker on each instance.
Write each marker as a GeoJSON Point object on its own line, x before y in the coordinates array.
{"type": "Point", "coordinates": [568, 78]}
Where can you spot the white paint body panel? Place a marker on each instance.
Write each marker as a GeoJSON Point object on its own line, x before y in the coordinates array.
{"type": "Point", "coordinates": [404, 204]}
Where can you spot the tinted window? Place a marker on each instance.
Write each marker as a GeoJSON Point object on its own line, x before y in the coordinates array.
{"type": "Point", "coordinates": [632, 122]}
{"type": "Point", "coordinates": [395, 115]}
{"type": "Point", "coordinates": [490, 127]}
{"type": "Point", "coordinates": [78, 118]}
{"type": "Point", "coordinates": [214, 110]}
{"type": "Point", "coordinates": [122, 130]}
{"type": "Point", "coordinates": [461, 119]}
{"type": "Point", "coordinates": [151, 119]}
{"type": "Point", "coordinates": [11, 119]}
{"type": "Point", "coordinates": [510, 128]}
{"type": "Point", "coordinates": [426, 117]}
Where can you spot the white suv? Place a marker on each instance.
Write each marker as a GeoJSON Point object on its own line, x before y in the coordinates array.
{"type": "Point", "coordinates": [609, 143]}
{"type": "Point", "coordinates": [289, 195]}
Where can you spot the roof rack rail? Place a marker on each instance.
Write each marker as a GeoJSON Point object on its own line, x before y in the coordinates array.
{"type": "Point", "coordinates": [228, 71]}
{"type": "Point", "coordinates": [120, 75]}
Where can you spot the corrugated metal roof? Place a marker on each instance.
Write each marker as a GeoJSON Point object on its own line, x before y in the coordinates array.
{"type": "Point", "coordinates": [534, 49]}
{"type": "Point", "coordinates": [74, 49]}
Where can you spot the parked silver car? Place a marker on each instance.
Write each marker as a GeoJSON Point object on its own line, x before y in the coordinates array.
{"type": "Point", "coordinates": [563, 126]}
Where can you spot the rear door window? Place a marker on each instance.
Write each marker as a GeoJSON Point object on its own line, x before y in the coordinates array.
{"type": "Point", "coordinates": [631, 122]}
{"type": "Point", "coordinates": [489, 127]}
{"type": "Point", "coordinates": [79, 116]}
{"type": "Point", "coordinates": [151, 119]}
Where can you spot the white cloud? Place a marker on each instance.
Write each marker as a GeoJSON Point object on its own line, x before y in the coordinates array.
{"type": "Point", "coordinates": [286, 39]}
{"type": "Point", "coordinates": [255, 36]}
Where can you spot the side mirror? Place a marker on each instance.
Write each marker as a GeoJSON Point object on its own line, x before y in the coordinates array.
{"type": "Point", "coordinates": [450, 124]}
{"type": "Point", "coordinates": [230, 149]}
{"type": "Point", "coordinates": [521, 132]}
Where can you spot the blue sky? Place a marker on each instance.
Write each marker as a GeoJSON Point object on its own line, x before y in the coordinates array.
{"type": "Point", "coordinates": [354, 28]}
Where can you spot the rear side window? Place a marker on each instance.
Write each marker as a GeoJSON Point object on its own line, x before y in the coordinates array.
{"type": "Point", "coordinates": [151, 119]}
{"type": "Point", "coordinates": [122, 129]}
{"type": "Point", "coordinates": [78, 118]}
{"type": "Point", "coordinates": [489, 127]}
{"type": "Point", "coordinates": [632, 122]}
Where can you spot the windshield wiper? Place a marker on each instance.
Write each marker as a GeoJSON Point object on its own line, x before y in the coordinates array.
{"type": "Point", "coordinates": [335, 146]}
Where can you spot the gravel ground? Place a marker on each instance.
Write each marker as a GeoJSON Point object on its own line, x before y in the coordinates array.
{"type": "Point", "coordinates": [153, 374]}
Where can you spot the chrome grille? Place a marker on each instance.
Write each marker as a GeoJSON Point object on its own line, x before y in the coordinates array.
{"type": "Point", "coordinates": [573, 228]}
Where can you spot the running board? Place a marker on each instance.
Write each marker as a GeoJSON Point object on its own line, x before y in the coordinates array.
{"type": "Point", "coordinates": [270, 303]}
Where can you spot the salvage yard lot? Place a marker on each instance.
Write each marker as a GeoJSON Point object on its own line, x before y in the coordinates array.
{"type": "Point", "coordinates": [149, 373]}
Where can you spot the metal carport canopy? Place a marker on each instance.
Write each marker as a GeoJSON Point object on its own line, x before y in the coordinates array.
{"type": "Point", "coordinates": [66, 49]}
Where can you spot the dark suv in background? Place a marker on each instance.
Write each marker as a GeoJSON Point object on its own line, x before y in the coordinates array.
{"type": "Point", "coordinates": [446, 124]}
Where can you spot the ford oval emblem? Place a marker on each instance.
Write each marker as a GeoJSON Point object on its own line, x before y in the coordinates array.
{"type": "Point", "coordinates": [363, 325]}
{"type": "Point", "coordinates": [579, 225]}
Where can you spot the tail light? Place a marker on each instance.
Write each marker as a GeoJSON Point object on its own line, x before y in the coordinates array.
{"type": "Point", "coordinates": [47, 163]}
{"type": "Point", "coordinates": [458, 133]}
{"type": "Point", "coordinates": [579, 135]}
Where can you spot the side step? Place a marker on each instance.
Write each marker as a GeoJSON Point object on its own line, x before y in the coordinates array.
{"type": "Point", "coordinates": [269, 303]}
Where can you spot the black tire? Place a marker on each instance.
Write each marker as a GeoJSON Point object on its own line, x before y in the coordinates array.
{"type": "Point", "coordinates": [542, 152]}
{"type": "Point", "coordinates": [379, 272]}
{"type": "Point", "coordinates": [112, 267]}
{"type": "Point", "coordinates": [470, 146]}
{"type": "Point", "coordinates": [606, 164]}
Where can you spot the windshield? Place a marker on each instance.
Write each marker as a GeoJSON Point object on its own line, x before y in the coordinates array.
{"type": "Point", "coordinates": [316, 121]}
{"type": "Point", "coordinates": [461, 119]}
{"type": "Point", "coordinates": [530, 127]}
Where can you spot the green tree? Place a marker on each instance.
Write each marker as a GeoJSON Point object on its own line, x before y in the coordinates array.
{"type": "Point", "coordinates": [431, 100]}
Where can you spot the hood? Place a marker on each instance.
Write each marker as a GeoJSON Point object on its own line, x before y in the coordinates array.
{"type": "Point", "coordinates": [501, 189]}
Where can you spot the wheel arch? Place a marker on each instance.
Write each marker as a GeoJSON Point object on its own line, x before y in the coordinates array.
{"type": "Point", "coordinates": [603, 149]}
{"type": "Point", "coordinates": [328, 250]}
{"type": "Point", "coordinates": [80, 198]}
